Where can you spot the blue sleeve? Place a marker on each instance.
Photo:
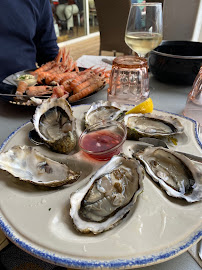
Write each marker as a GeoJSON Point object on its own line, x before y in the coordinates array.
{"type": "Point", "coordinates": [45, 39]}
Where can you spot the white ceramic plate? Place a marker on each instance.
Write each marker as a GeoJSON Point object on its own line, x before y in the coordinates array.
{"type": "Point", "coordinates": [37, 219]}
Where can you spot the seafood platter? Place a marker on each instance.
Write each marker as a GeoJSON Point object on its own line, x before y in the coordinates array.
{"type": "Point", "coordinates": [136, 209]}
{"type": "Point", "coordinates": [57, 78]}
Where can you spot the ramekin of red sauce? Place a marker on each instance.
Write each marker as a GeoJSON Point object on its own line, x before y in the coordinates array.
{"type": "Point", "coordinates": [103, 140]}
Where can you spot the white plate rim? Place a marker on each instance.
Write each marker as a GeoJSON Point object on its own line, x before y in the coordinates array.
{"type": "Point", "coordinates": [110, 264]}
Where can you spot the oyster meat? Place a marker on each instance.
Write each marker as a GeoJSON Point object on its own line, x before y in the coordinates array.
{"type": "Point", "coordinates": [104, 110]}
{"type": "Point", "coordinates": [31, 166]}
{"type": "Point", "coordinates": [141, 125]}
{"type": "Point", "coordinates": [175, 173]}
{"type": "Point", "coordinates": [108, 196]}
{"type": "Point", "coordinates": [55, 124]}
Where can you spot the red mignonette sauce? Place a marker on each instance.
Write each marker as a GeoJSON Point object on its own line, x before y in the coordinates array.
{"type": "Point", "coordinates": [103, 143]}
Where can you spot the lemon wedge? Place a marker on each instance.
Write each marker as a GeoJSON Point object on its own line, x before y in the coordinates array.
{"type": "Point", "coordinates": [144, 107]}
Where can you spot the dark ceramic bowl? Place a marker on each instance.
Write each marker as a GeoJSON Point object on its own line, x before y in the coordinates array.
{"type": "Point", "coordinates": [176, 61]}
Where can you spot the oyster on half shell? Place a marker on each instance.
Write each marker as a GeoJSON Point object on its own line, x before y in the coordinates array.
{"type": "Point", "coordinates": [175, 173]}
{"type": "Point", "coordinates": [150, 125]}
{"type": "Point", "coordinates": [103, 110]}
{"type": "Point", "coordinates": [55, 124]}
{"type": "Point", "coordinates": [31, 166]}
{"type": "Point", "coordinates": [108, 196]}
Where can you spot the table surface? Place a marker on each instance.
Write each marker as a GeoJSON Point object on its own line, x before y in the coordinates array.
{"type": "Point", "coordinates": [170, 98]}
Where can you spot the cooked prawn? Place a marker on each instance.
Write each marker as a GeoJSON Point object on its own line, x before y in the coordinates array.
{"type": "Point", "coordinates": [86, 83]}
{"type": "Point", "coordinates": [45, 75]}
{"type": "Point", "coordinates": [81, 78]}
{"type": "Point", "coordinates": [85, 75]}
{"type": "Point", "coordinates": [50, 64]}
{"type": "Point", "coordinates": [57, 78]}
{"type": "Point", "coordinates": [42, 76]}
{"type": "Point", "coordinates": [59, 91]}
{"type": "Point", "coordinates": [70, 63]}
{"type": "Point", "coordinates": [86, 91]}
{"type": "Point", "coordinates": [21, 89]}
{"type": "Point", "coordinates": [67, 87]}
{"type": "Point", "coordinates": [54, 67]}
{"type": "Point", "coordinates": [63, 65]}
{"type": "Point", "coordinates": [107, 73]}
{"type": "Point", "coordinates": [69, 76]}
{"type": "Point", "coordinates": [74, 67]}
{"type": "Point", "coordinates": [39, 90]}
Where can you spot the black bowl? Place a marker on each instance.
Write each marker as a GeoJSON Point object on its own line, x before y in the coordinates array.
{"type": "Point", "coordinates": [176, 61]}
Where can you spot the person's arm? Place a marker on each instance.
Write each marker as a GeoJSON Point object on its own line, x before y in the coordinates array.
{"type": "Point", "coordinates": [45, 39]}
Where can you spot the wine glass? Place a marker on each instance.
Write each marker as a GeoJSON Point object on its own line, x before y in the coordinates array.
{"type": "Point", "coordinates": [144, 27]}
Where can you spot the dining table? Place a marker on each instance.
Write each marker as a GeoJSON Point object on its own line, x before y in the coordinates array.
{"type": "Point", "coordinates": [166, 97]}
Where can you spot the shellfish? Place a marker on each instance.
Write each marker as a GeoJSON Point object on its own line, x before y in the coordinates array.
{"type": "Point", "coordinates": [150, 125]}
{"type": "Point", "coordinates": [104, 110]}
{"type": "Point", "coordinates": [108, 196]}
{"type": "Point", "coordinates": [31, 166]}
{"type": "Point", "coordinates": [55, 124]}
{"type": "Point", "coordinates": [175, 173]}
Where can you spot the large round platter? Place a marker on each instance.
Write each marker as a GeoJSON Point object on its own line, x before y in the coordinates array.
{"type": "Point", "coordinates": [37, 219]}
{"type": "Point", "coordinates": [8, 88]}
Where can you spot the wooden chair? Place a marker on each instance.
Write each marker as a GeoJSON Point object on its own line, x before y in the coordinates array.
{"type": "Point", "coordinates": [112, 18]}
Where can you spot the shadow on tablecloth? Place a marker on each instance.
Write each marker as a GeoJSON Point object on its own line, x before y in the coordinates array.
{"type": "Point", "coordinates": [13, 258]}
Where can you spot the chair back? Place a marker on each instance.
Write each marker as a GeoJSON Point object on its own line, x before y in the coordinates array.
{"type": "Point", "coordinates": [154, 1]}
{"type": "Point", "coordinates": [112, 18]}
{"type": "Point", "coordinates": [182, 20]}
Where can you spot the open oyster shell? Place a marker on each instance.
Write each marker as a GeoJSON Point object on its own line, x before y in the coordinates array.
{"type": "Point", "coordinates": [175, 173]}
{"type": "Point", "coordinates": [104, 110]}
{"type": "Point", "coordinates": [108, 196]}
{"type": "Point", "coordinates": [31, 166]}
{"type": "Point", "coordinates": [141, 125]}
{"type": "Point", "coordinates": [54, 122]}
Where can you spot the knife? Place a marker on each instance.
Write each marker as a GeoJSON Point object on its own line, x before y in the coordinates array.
{"type": "Point", "coordinates": [159, 142]}
{"type": "Point", "coordinates": [191, 156]}
{"type": "Point", "coordinates": [105, 60]}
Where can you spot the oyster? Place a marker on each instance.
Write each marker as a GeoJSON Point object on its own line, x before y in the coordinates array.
{"type": "Point", "coordinates": [175, 173]}
{"type": "Point", "coordinates": [54, 122]}
{"type": "Point", "coordinates": [141, 125]}
{"type": "Point", "coordinates": [30, 165]}
{"type": "Point", "coordinates": [103, 110]}
{"type": "Point", "coordinates": [109, 195]}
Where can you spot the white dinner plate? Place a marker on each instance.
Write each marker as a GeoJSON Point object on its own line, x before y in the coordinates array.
{"type": "Point", "coordinates": [37, 219]}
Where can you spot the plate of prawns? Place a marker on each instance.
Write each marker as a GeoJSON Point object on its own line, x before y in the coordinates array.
{"type": "Point", "coordinates": [60, 78]}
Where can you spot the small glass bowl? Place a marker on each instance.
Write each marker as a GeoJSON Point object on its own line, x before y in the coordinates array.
{"type": "Point", "coordinates": [103, 140]}
{"type": "Point", "coordinates": [18, 77]}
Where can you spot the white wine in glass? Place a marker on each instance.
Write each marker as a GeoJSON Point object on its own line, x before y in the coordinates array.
{"type": "Point", "coordinates": [144, 27]}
